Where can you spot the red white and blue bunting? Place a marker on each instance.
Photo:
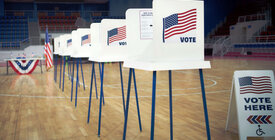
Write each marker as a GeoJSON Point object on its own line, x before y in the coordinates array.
{"type": "Point", "coordinates": [23, 66]}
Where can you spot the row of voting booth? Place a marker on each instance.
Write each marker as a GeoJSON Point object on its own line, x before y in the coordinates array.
{"type": "Point", "coordinates": [170, 36]}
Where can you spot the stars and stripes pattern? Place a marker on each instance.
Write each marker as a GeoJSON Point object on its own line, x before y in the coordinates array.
{"type": "Point", "coordinates": [256, 85]}
{"type": "Point", "coordinates": [23, 66]}
{"type": "Point", "coordinates": [116, 34]}
{"type": "Point", "coordinates": [179, 23]}
{"type": "Point", "coordinates": [48, 51]}
{"type": "Point", "coordinates": [86, 39]}
{"type": "Point", "coordinates": [69, 42]}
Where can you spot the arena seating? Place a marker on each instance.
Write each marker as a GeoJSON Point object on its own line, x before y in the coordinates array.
{"type": "Point", "coordinates": [13, 30]}
{"type": "Point", "coordinates": [267, 35]}
{"type": "Point", "coordinates": [57, 23]}
{"type": "Point", "coordinates": [248, 11]}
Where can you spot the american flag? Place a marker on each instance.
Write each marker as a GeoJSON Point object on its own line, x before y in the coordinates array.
{"type": "Point", "coordinates": [69, 42]}
{"type": "Point", "coordinates": [48, 51]}
{"type": "Point", "coordinates": [179, 23]}
{"type": "Point", "coordinates": [86, 39]}
{"type": "Point", "coordinates": [116, 34]}
{"type": "Point", "coordinates": [256, 85]}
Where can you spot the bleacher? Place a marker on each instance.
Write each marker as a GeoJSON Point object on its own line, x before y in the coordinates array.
{"type": "Point", "coordinates": [248, 11]}
{"type": "Point", "coordinates": [57, 23]}
{"type": "Point", "coordinates": [13, 30]}
{"type": "Point", "coordinates": [267, 35]}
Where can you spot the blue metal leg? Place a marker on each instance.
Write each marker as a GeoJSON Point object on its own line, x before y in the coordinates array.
{"type": "Point", "coordinates": [127, 104]}
{"type": "Point", "coordinates": [171, 103]}
{"type": "Point", "coordinates": [122, 89]}
{"type": "Point", "coordinates": [77, 79]}
{"type": "Point", "coordinates": [60, 72]}
{"type": "Point", "coordinates": [204, 105]}
{"type": "Point", "coordinates": [55, 66]}
{"type": "Point", "coordinates": [91, 91]}
{"type": "Point", "coordinates": [100, 80]}
{"type": "Point", "coordinates": [64, 57]}
{"type": "Point", "coordinates": [100, 98]}
{"type": "Point", "coordinates": [72, 80]}
{"type": "Point", "coordinates": [153, 104]}
{"type": "Point", "coordinates": [82, 74]}
{"type": "Point", "coordinates": [135, 84]}
{"type": "Point", "coordinates": [69, 67]}
{"type": "Point", "coordinates": [95, 86]}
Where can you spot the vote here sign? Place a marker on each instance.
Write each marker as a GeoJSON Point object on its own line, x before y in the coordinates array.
{"type": "Point", "coordinates": [255, 102]}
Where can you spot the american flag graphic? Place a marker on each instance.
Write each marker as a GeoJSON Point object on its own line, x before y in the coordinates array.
{"type": "Point", "coordinates": [116, 34]}
{"type": "Point", "coordinates": [179, 23]}
{"type": "Point", "coordinates": [48, 51]}
{"type": "Point", "coordinates": [69, 42]}
{"type": "Point", "coordinates": [256, 85]}
{"type": "Point", "coordinates": [86, 39]}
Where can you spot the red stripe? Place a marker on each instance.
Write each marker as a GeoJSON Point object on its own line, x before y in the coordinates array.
{"type": "Point", "coordinates": [187, 18]}
{"type": "Point", "coordinates": [182, 24]}
{"type": "Point", "coordinates": [267, 119]}
{"type": "Point", "coordinates": [167, 32]}
{"type": "Point", "coordinates": [258, 119]}
{"type": "Point", "coordinates": [249, 119]}
{"type": "Point", "coordinates": [261, 77]}
{"type": "Point", "coordinates": [180, 32]}
{"type": "Point", "coordinates": [187, 11]}
{"type": "Point", "coordinates": [187, 15]}
{"type": "Point", "coordinates": [254, 92]}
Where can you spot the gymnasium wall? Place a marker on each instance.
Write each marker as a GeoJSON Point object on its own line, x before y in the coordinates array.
{"type": "Point", "coordinates": [1, 7]}
{"type": "Point", "coordinates": [119, 7]}
{"type": "Point", "coordinates": [215, 10]}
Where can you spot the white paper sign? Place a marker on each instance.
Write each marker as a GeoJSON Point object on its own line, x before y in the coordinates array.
{"type": "Point", "coordinates": [146, 24]}
{"type": "Point", "coordinates": [56, 45]}
{"type": "Point", "coordinates": [255, 102]}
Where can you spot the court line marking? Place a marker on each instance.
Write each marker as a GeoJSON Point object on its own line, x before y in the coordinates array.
{"type": "Point", "coordinates": [114, 97]}
{"type": "Point", "coordinates": [118, 85]}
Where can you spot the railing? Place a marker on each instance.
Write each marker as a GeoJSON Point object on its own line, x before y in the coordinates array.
{"type": "Point", "coordinates": [221, 46]}
{"type": "Point", "coordinates": [15, 45]}
{"type": "Point", "coordinates": [58, 28]}
{"type": "Point", "coordinates": [263, 38]}
{"type": "Point", "coordinates": [19, 45]}
{"type": "Point", "coordinates": [252, 17]}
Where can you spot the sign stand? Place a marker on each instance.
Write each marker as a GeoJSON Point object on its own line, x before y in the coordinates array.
{"type": "Point", "coordinates": [251, 104]}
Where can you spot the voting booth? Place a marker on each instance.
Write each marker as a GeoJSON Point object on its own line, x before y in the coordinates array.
{"type": "Point", "coordinates": [109, 44]}
{"type": "Point", "coordinates": [81, 48]}
{"type": "Point", "coordinates": [178, 44]}
{"type": "Point", "coordinates": [64, 45]}
{"type": "Point", "coordinates": [81, 43]}
{"type": "Point", "coordinates": [57, 51]}
{"type": "Point", "coordinates": [112, 45]}
{"type": "Point", "coordinates": [178, 38]}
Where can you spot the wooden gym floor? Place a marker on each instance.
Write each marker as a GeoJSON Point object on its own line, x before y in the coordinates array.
{"type": "Point", "coordinates": [34, 108]}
